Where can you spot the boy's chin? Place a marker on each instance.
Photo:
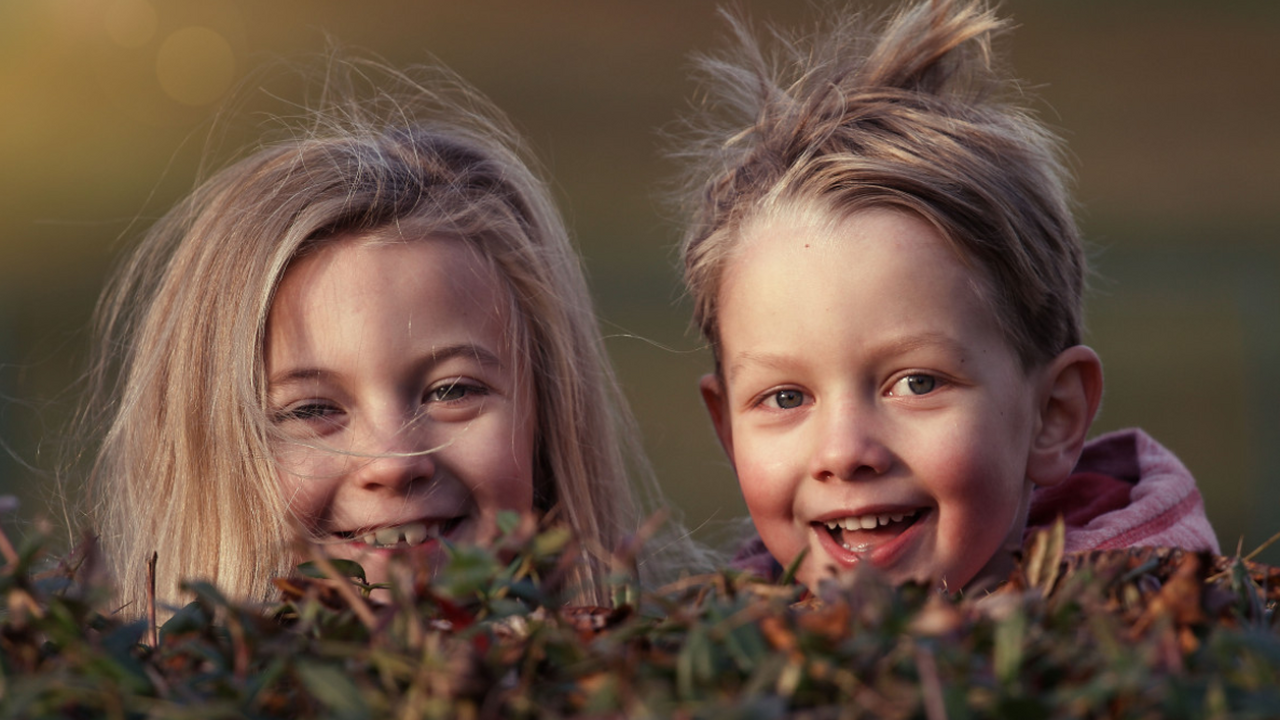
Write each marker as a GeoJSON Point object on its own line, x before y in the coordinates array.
{"type": "Point", "coordinates": [994, 574]}
{"type": "Point", "coordinates": [988, 578]}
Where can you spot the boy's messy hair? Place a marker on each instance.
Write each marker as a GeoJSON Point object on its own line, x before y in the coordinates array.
{"type": "Point", "coordinates": [915, 116]}
{"type": "Point", "coordinates": [185, 466]}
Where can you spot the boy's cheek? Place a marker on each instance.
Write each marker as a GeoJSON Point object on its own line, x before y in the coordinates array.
{"type": "Point", "coordinates": [769, 468]}
{"type": "Point", "coordinates": [770, 499]}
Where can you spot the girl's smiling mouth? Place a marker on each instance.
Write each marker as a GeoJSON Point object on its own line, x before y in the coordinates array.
{"type": "Point", "coordinates": [407, 535]}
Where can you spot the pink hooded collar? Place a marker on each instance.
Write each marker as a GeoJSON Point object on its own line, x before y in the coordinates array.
{"type": "Point", "coordinates": [1127, 490]}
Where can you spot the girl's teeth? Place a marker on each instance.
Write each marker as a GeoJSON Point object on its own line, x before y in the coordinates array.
{"type": "Point", "coordinates": [414, 533]}
{"type": "Point", "coordinates": [388, 535]}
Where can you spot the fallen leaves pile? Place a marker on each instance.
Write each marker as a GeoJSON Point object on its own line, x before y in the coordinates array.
{"type": "Point", "coordinates": [1152, 633]}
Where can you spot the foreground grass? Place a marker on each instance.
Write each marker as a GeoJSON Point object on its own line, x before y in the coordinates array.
{"type": "Point", "coordinates": [1135, 634]}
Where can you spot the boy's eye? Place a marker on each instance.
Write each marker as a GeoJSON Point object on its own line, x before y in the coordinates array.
{"type": "Point", "coordinates": [788, 399]}
{"type": "Point", "coordinates": [918, 384]}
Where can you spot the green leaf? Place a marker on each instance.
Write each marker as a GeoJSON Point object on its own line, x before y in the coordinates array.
{"type": "Point", "coordinates": [348, 568]}
{"type": "Point", "coordinates": [334, 689]}
{"type": "Point", "coordinates": [1010, 634]}
{"type": "Point", "coordinates": [189, 618]}
{"type": "Point", "coordinates": [789, 576]}
{"type": "Point", "coordinates": [551, 541]}
{"type": "Point", "coordinates": [507, 521]}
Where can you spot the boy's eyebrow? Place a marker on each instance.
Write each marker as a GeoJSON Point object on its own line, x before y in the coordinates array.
{"type": "Point", "coordinates": [776, 361]}
{"type": "Point", "coordinates": [438, 355]}
{"type": "Point", "coordinates": [908, 343]}
{"type": "Point", "coordinates": [896, 346]}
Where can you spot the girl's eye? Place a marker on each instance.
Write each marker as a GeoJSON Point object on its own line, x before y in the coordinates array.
{"type": "Point", "coordinates": [307, 412]}
{"type": "Point", "coordinates": [453, 391]}
{"type": "Point", "coordinates": [917, 384]}
{"type": "Point", "coordinates": [787, 399]}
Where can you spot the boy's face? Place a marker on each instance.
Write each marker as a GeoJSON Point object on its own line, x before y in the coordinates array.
{"type": "Point", "coordinates": [871, 407]}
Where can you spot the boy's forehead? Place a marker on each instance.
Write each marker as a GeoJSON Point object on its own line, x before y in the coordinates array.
{"type": "Point", "coordinates": [797, 226]}
{"type": "Point", "coordinates": [791, 218]}
{"type": "Point", "coordinates": [835, 273]}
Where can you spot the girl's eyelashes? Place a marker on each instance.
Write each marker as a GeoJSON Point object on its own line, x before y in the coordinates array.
{"type": "Point", "coordinates": [456, 390]}
{"type": "Point", "coordinates": [915, 384]}
{"type": "Point", "coordinates": [307, 411]}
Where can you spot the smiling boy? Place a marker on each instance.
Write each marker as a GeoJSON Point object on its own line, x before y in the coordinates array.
{"type": "Point", "coordinates": [885, 264]}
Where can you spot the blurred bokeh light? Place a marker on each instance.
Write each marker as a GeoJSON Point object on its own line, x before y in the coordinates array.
{"type": "Point", "coordinates": [1171, 108]}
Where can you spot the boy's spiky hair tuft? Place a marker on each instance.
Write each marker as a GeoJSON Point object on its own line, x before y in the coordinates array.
{"type": "Point", "coordinates": [910, 112]}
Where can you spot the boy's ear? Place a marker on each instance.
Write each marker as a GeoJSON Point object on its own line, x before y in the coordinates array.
{"type": "Point", "coordinates": [1070, 392]}
{"type": "Point", "coordinates": [715, 397]}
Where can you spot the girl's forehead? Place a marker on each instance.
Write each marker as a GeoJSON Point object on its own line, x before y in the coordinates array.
{"type": "Point", "coordinates": [374, 273]}
{"type": "Point", "coordinates": [357, 304]}
{"type": "Point", "coordinates": [345, 254]}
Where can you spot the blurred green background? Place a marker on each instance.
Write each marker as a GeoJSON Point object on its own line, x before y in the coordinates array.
{"type": "Point", "coordinates": [1171, 109]}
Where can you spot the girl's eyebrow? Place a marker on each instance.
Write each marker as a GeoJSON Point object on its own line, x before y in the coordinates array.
{"type": "Point", "coordinates": [480, 354]}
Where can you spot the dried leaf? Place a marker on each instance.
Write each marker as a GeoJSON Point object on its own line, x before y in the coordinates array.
{"type": "Point", "coordinates": [938, 617]}
{"type": "Point", "coordinates": [780, 636]}
{"type": "Point", "coordinates": [1044, 555]}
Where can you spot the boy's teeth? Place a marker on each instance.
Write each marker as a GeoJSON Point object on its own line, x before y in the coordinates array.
{"type": "Point", "coordinates": [868, 522]}
{"type": "Point", "coordinates": [414, 533]}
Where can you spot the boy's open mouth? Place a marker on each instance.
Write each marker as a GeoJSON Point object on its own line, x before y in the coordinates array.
{"type": "Point", "coordinates": [861, 533]}
{"type": "Point", "coordinates": [403, 536]}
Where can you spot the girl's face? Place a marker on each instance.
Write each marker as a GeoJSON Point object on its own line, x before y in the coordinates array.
{"type": "Point", "coordinates": [403, 416]}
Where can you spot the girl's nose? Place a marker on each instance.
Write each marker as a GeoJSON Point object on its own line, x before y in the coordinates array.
{"type": "Point", "coordinates": [395, 463]}
{"type": "Point", "coordinates": [849, 445]}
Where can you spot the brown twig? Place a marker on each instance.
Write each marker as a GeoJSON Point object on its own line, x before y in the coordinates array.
{"type": "Point", "coordinates": [1257, 551]}
{"type": "Point", "coordinates": [153, 632]}
{"type": "Point", "coordinates": [935, 708]}
{"type": "Point", "coordinates": [7, 549]}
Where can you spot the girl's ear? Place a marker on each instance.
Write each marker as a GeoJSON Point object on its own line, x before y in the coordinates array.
{"type": "Point", "coordinates": [715, 397]}
{"type": "Point", "coordinates": [1070, 393]}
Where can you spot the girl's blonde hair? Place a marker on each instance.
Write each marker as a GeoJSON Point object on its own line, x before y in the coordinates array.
{"type": "Point", "coordinates": [914, 115]}
{"type": "Point", "coordinates": [185, 467]}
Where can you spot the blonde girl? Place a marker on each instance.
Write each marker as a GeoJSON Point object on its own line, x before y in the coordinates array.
{"type": "Point", "coordinates": [375, 331]}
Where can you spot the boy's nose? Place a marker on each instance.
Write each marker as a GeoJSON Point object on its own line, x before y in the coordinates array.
{"type": "Point", "coordinates": [849, 446]}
